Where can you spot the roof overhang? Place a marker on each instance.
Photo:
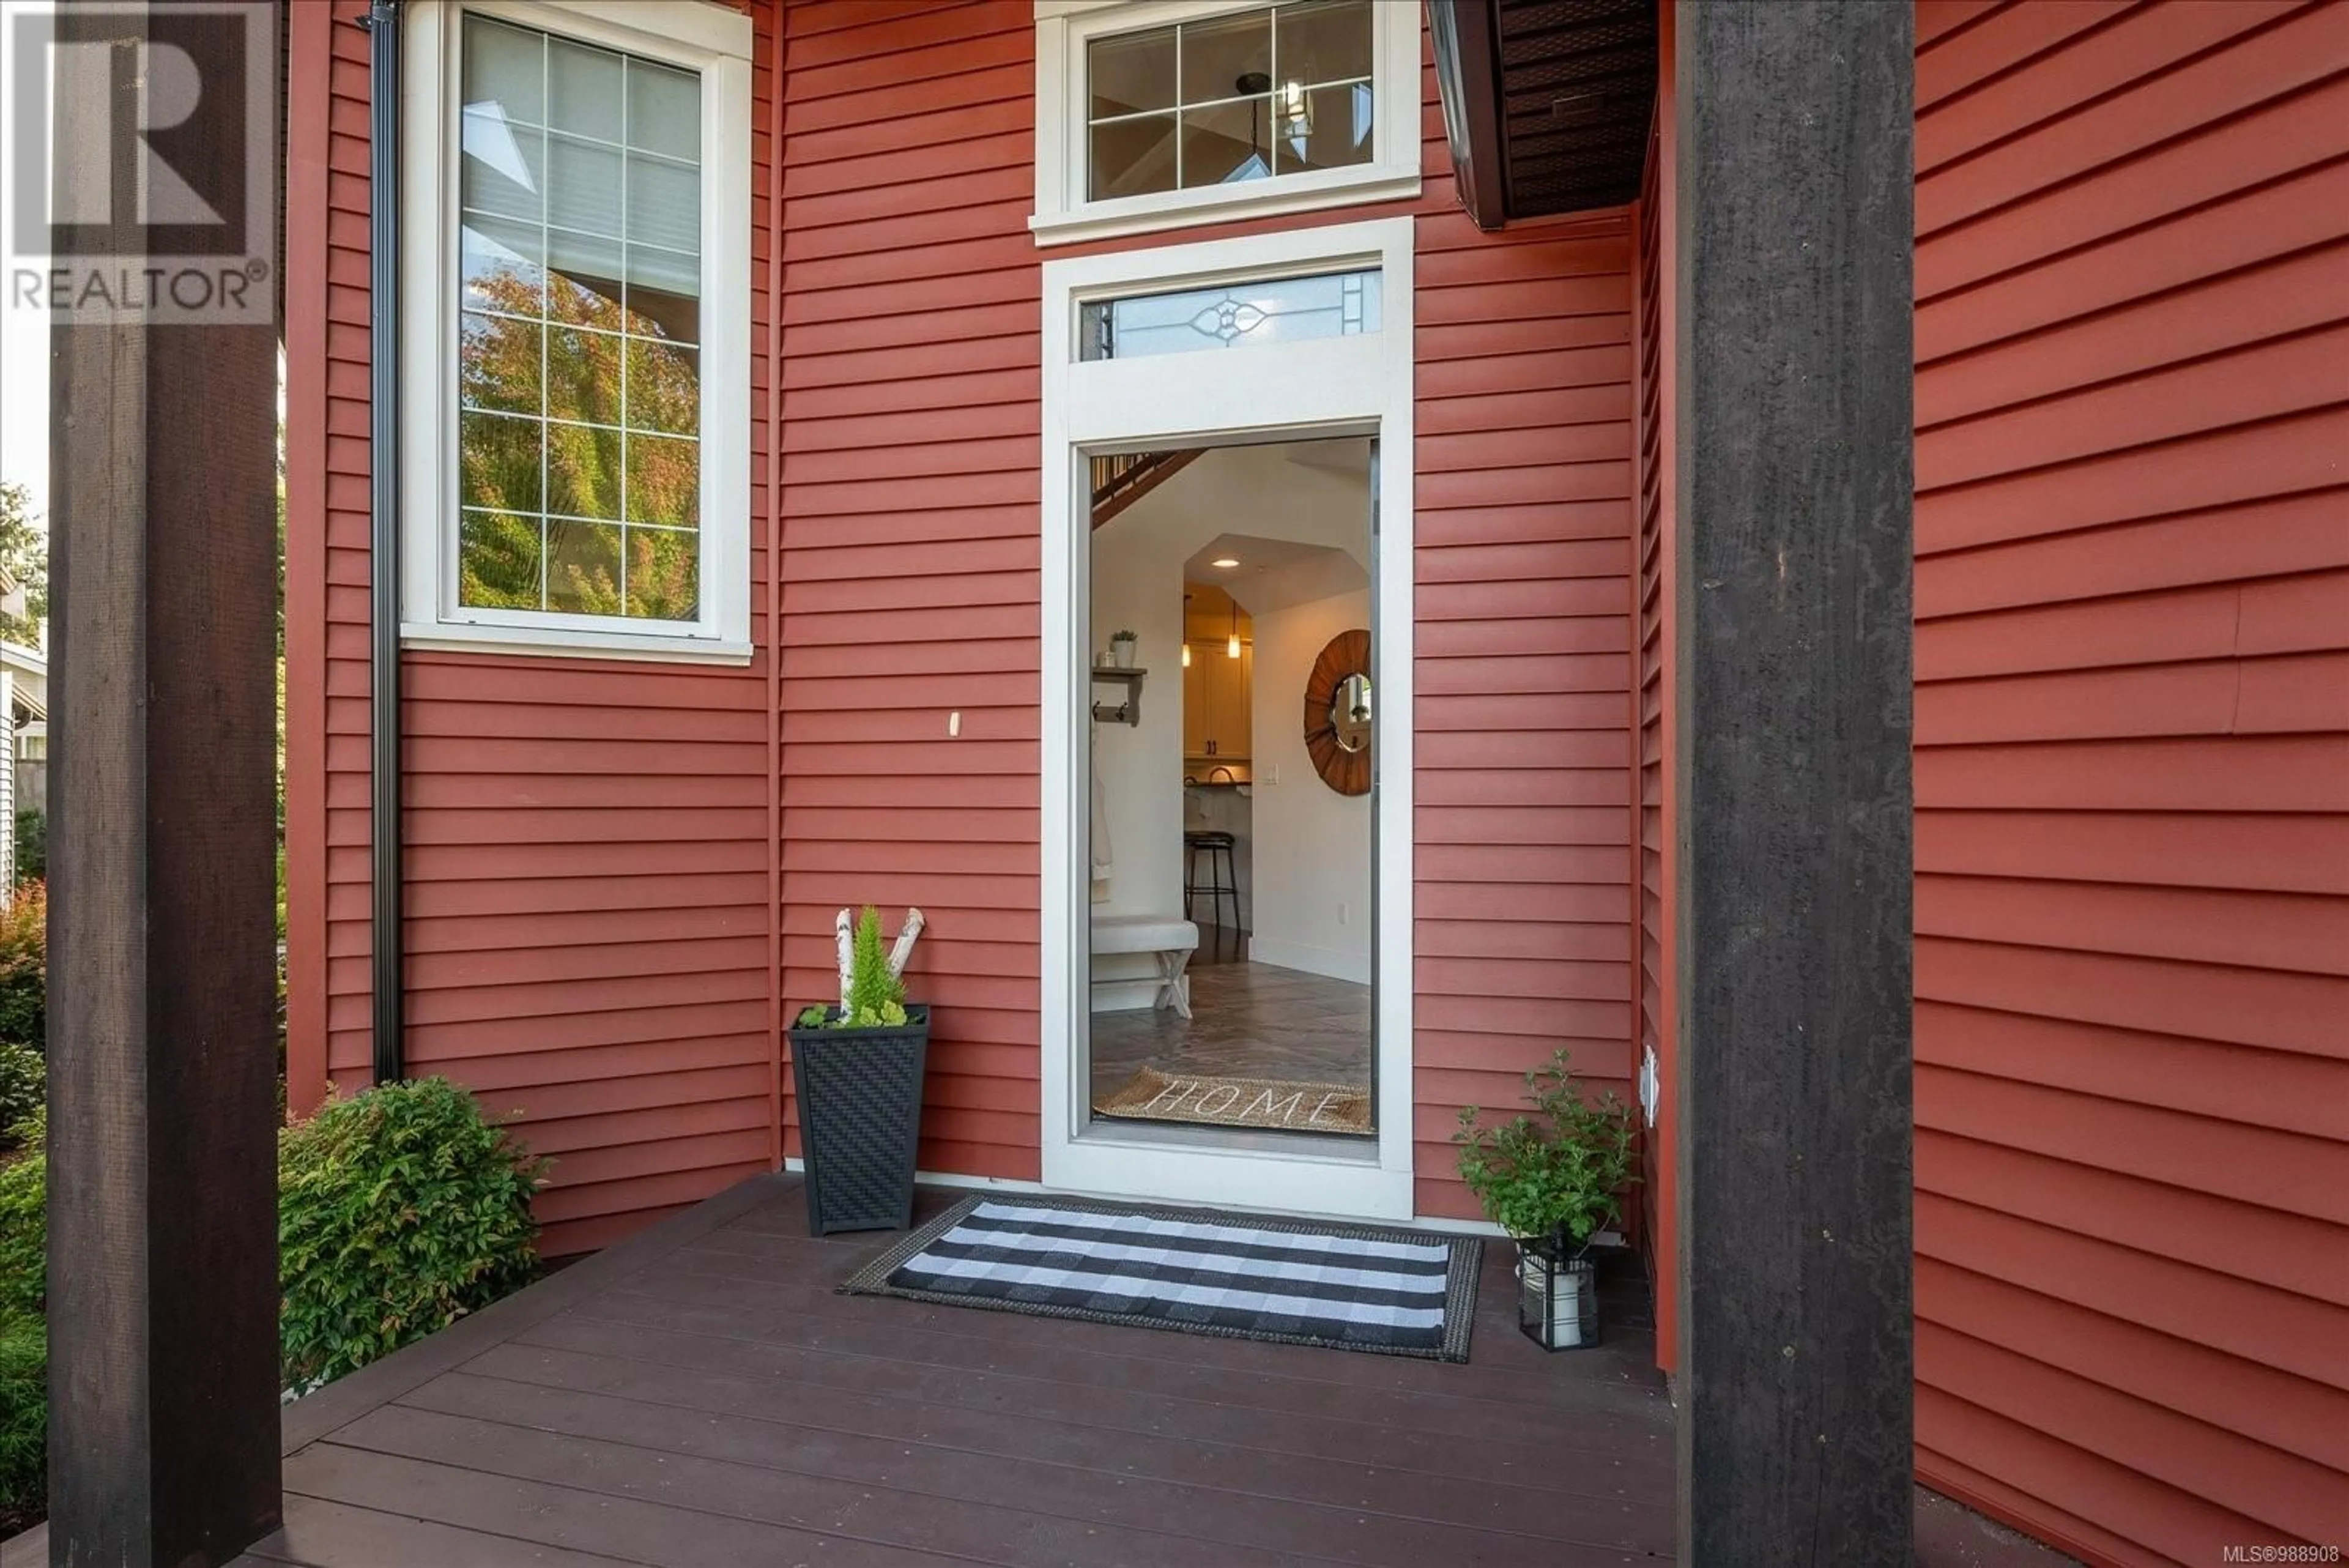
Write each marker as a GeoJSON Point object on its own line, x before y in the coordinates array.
{"type": "Point", "coordinates": [1547, 103]}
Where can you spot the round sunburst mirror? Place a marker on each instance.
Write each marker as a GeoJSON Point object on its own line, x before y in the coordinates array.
{"type": "Point", "coordinates": [1338, 713]}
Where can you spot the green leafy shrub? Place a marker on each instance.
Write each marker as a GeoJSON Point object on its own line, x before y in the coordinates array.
{"type": "Point", "coordinates": [25, 1234]}
{"type": "Point", "coordinates": [876, 996]}
{"type": "Point", "coordinates": [24, 1088]}
{"type": "Point", "coordinates": [32, 845]}
{"type": "Point", "coordinates": [400, 1211]}
{"type": "Point", "coordinates": [24, 966]}
{"type": "Point", "coordinates": [1560, 1172]}
{"type": "Point", "coordinates": [24, 1334]}
{"type": "Point", "coordinates": [24, 1414]}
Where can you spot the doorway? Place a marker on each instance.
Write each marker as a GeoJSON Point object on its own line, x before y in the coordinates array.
{"type": "Point", "coordinates": [1231, 844]}
{"type": "Point", "coordinates": [1220, 449]}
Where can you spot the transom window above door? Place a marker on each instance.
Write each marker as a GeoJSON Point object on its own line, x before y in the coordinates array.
{"type": "Point", "coordinates": [1166, 112]}
{"type": "Point", "coordinates": [1230, 315]}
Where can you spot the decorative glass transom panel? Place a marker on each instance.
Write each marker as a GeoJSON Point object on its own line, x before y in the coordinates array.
{"type": "Point", "coordinates": [1247, 95]}
{"type": "Point", "coordinates": [578, 355]}
{"type": "Point", "coordinates": [1230, 315]}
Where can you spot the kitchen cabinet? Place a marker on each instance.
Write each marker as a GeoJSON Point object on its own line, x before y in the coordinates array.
{"type": "Point", "coordinates": [1216, 692]}
{"type": "Point", "coordinates": [1195, 708]}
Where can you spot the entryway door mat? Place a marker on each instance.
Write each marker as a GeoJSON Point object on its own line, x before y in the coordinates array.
{"type": "Point", "coordinates": [1293, 1282]}
{"type": "Point", "coordinates": [1283, 1105]}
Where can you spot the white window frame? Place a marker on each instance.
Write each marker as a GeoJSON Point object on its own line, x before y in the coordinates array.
{"type": "Point", "coordinates": [692, 34]}
{"type": "Point", "coordinates": [1360, 384]}
{"type": "Point", "coordinates": [1064, 214]}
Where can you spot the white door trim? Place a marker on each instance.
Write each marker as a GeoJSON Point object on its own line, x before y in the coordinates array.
{"type": "Point", "coordinates": [1357, 385]}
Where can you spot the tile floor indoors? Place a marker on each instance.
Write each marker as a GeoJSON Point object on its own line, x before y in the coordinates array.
{"type": "Point", "coordinates": [1248, 1020]}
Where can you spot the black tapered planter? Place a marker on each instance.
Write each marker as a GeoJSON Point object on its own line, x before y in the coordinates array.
{"type": "Point", "coordinates": [860, 1105]}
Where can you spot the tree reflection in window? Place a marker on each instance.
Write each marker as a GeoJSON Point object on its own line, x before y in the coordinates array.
{"type": "Point", "coordinates": [578, 354]}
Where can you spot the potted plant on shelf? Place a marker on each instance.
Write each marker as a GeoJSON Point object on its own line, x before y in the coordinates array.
{"type": "Point", "coordinates": [1121, 647]}
{"type": "Point", "coordinates": [1552, 1181]}
{"type": "Point", "coordinates": [856, 1073]}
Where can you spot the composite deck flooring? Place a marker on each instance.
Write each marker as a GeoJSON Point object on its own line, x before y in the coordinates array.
{"type": "Point", "coordinates": [701, 1396]}
{"type": "Point", "coordinates": [708, 1399]}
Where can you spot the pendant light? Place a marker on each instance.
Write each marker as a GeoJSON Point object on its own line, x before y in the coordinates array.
{"type": "Point", "coordinates": [1187, 631]}
{"type": "Point", "coordinates": [1252, 86]}
{"type": "Point", "coordinates": [1296, 109]}
{"type": "Point", "coordinates": [1232, 648]}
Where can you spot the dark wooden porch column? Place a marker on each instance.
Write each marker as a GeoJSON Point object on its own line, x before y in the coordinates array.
{"type": "Point", "coordinates": [163, 1374]}
{"type": "Point", "coordinates": [1795, 149]}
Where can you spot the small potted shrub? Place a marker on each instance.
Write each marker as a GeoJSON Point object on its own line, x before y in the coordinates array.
{"type": "Point", "coordinates": [856, 1072]}
{"type": "Point", "coordinates": [1552, 1181]}
{"type": "Point", "coordinates": [1121, 647]}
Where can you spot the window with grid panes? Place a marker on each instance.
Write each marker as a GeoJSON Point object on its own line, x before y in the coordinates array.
{"type": "Point", "coordinates": [578, 355]}
{"type": "Point", "coordinates": [586, 483]}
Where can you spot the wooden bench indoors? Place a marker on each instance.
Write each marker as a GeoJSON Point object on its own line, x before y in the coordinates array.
{"type": "Point", "coordinates": [1168, 939]}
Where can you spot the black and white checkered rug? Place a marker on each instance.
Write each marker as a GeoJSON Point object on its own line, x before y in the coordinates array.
{"type": "Point", "coordinates": [1400, 1293]}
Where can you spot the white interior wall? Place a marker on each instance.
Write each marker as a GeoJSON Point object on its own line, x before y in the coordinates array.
{"type": "Point", "coordinates": [1313, 846]}
{"type": "Point", "coordinates": [1137, 587]}
{"type": "Point", "coordinates": [1138, 558]}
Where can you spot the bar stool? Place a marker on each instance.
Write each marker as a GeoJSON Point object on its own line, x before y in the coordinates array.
{"type": "Point", "coordinates": [1223, 875]}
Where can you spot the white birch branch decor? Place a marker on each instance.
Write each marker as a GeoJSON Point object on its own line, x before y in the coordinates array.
{"type": "Point", "coordinates": [844, 939]}
{"type": "Point", "coordinates": [905, 948]}
{"type": "Point", "coordinates": [843, 942]}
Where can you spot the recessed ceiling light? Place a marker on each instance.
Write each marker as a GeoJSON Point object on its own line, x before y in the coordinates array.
{"type": "Point", "coordinates": [1226, 563]}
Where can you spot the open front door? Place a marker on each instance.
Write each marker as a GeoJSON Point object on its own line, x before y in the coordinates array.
{"type": "Point", "coordinates": [1228, 679]}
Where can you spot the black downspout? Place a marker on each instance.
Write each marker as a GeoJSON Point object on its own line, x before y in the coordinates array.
{"type": "Point", "coordinates": [383, 353]}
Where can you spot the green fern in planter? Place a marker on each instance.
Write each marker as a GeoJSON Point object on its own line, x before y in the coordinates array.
{"type": "Point", "coordinates": [871, 988]}
{"type": "Point", "coordinates": [1560, 1172]}
{"type": "Point", "coordinates": [876, 996]}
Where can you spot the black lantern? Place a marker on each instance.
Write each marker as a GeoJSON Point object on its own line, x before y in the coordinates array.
{"type": "Point", "coordinates": [1557, 1293]}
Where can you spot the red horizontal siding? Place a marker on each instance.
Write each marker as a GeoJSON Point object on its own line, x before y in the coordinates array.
{"type": "Point", "coordinates": [911, 388]}
{"type": "Point", "coordinates": [327, 499]}
{"type": "Point", "coordinates": [1525, 566]}
{"type": "Point", "coordinates": [910, 521]}
{"type": "Point", "coordinates": [1654, 793]}
{"type": "Point", "coordinates": [587, 844]}
{"type": "Point", "coordinates": [2133, 772]}
{"type": "Point", "coordinates": [905, 586]}
{"type": "Point", "coordinates": [314, 382]}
